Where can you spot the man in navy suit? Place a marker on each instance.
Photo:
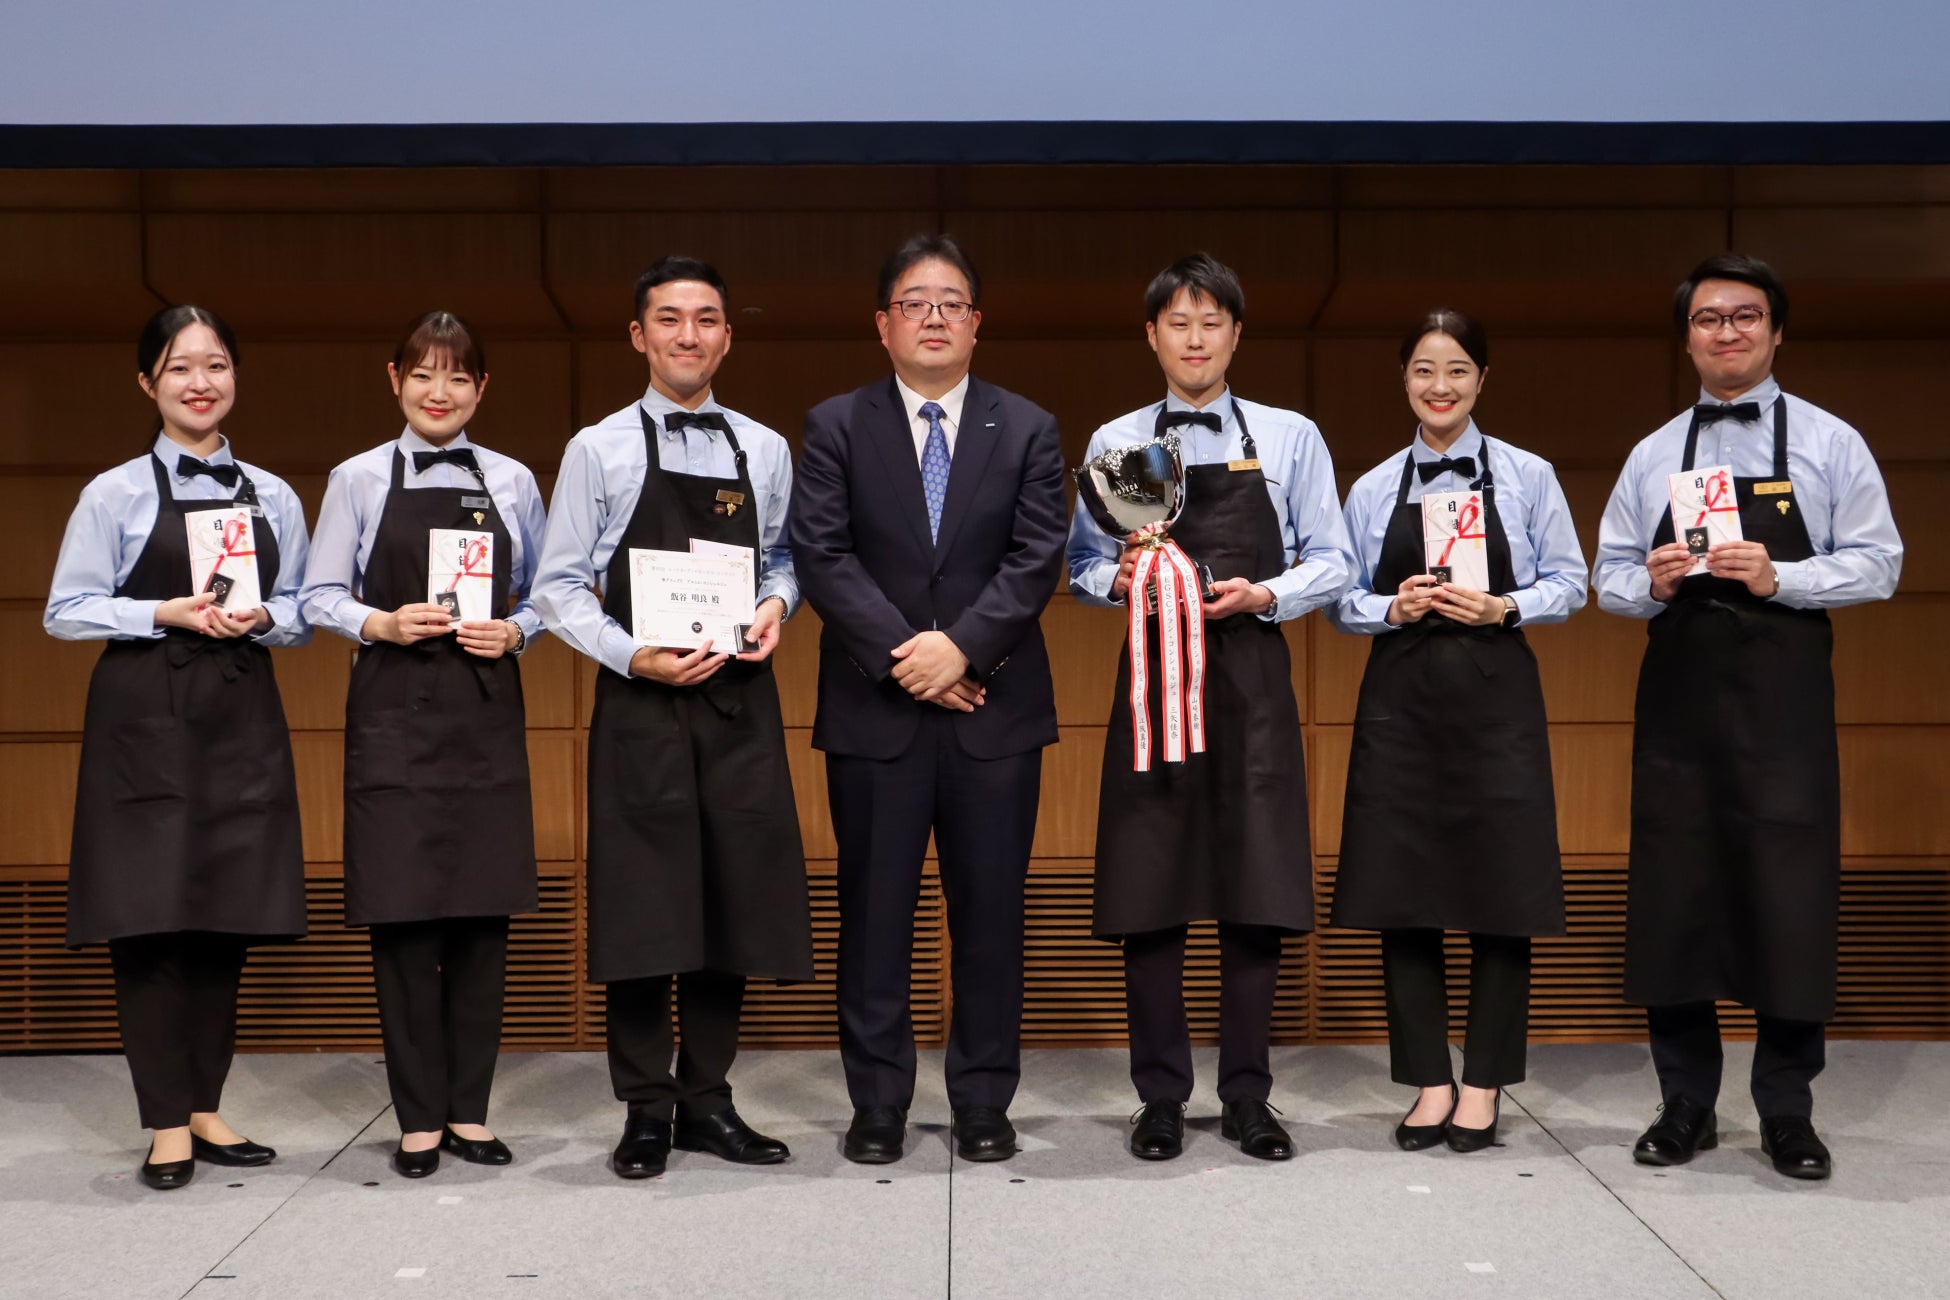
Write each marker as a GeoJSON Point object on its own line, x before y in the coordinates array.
{"type": "Point", "coordinates": [927, 527]}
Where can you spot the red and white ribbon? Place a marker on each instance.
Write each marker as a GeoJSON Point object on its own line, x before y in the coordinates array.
{"type": "Point", "coordinates": [1716, 493]}
{"type": "Point", "coordinates": [1181, 654]}
{"type": "Point", "coordinates": [234, 532]}
{"type": "Point", "coordinates": [1469, 517]}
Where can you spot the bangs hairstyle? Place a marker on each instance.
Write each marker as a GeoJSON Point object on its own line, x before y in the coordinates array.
{"type": "Point", "coordinates": [441, 339]}
{"type": "Point", "coordinates": [158, 337]}
{"type": "Point", "coordinates": [1465, 329]}
{"type": "Point", "coordinates": [926, 248]}
{"type": "Point", "coordinates": [1741, 269]}
{"type": "Point", "coordinates": [1206, 276]}
{"type": "Point", "coordinates": [669, 270]}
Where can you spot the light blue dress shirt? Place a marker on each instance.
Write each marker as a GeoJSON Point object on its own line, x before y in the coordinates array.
{"type": "Point", "coordinates": [111, 524]}
{"type": "Point", "coordinates": [1299, 478]}
{"type": "Point", "coordinates": [348, 524]}
{"type": "Point", "coordinates": [1837, 489]}
{"type": "Point", "coordinates": [596, 492]}
{"type": "Point", "coordinates": [1545, 558]}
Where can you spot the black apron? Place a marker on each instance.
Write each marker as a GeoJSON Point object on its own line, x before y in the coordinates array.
{"type": "Point", "coordinates": [438, 817]}
{"type": "Point", "coordinates": [1450, 821]}
{"type": "Point", "coordinates": [695, 861]}
{"type": "Point", "coordinates": [1223, 835]}
{"type": "Point", "coordinates": [186, 809]}
{"type": "Point", "coordinates": [1736, 869]}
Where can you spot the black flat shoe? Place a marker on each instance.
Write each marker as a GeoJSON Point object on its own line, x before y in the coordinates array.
{"type": "Point", "coordinates": [983, 1133]}
{"type": "Point", "coordinates": [1797, 1152]}
{"type": "Point", "coordinates": [1466, 1140]}
{"type": "Point", "coordinates": [1420, 1137]}
{"type": "Point", "coordinates": [876, 1135]}
{"type": "Point", "coordinates": [728, 1137]}
{"type": "Point", "coordinates": [1160, 1131]}
{"type": "Point", "coordinates": [237, 1155]}
{"type": "Point", "coordinates": [168, 1175]}
{"type": "Point", "coordinates": [488, 1151]}
{"type": "Point", "coordinates": [644, 1150]}
{"type": "Point", "coordinates": [415, 1164]}
{"type": "Point", "coordinates": [1683, 1129]}
{"type": "Point", "coordinates": [1250, 1123]}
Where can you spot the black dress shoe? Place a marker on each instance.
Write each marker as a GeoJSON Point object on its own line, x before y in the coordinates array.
{"type": "Point", "coordinates": [984, 1133]}
{"type": "Point", "coordinates": [168, 1175]}
{"type": "Point", "coordinates": [238, 1155]}
{"type": "Point", "coordinates": [1684, 1127]}
{"type": "Point", "coordinates": [487, 1151]}
{"type": "Point", "coordinates": [1466, 1140]}
{"type": "Point", "coordinates": [728, 1137]}
{"type": "Point", "coordinates": [1797, 1152]}
{"type": "Point", "coordinates": [644, 1150]}
{"type": "Point", "coordinates": [1250, 1123]}
{"type": "Point", "coordinates": [1160, 1131]}
{"type": "Point", "coordinates": [415, 1164]}
{"type": "Point", "coordinates": [1420, 1137]}
{"type": "Point", "coordinates": [876, 1135]}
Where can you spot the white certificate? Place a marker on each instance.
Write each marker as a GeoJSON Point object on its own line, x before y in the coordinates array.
{"type": "Point", "coordinates": [223, 556]}
{"type": "Point", "coordinates": [460, 573]}
{"type": "Point", "coordinates": [1454, 541]}
{"type": "Point", "coordinates": [679, 599]}
{"type": "Point", "coordinates": [1705, 510]}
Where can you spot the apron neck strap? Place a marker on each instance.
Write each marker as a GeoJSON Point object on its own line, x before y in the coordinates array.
{"type": "Point", "coordinates": [246, 493]}
{"type": "Point", "coordinates": [651, 430]}
{"type": "Point", "coordinates": [1246, 448]}
{"type": "Point", "coordinates": [1485, 481]}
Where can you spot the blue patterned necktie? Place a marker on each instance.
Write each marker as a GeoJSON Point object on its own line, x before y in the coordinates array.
{"type": "Point", "coordinates": [934, 467]}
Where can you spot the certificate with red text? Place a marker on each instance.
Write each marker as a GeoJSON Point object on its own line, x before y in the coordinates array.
{"type": "Point", "coordinates": [1705, 510]}
{"type": "Point", "coordinates": [1454, 539]}
{"type": "Point", "coordinates": [460, 573]}
{"type": "Point", "coordinates": [223, 556]}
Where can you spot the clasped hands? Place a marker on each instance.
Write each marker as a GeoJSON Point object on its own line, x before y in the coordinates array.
{"type": "Point", "coordinates": [692, 667]}
{"type": "Point", "coordinates": [418, 621]}
{"type": "Point", "coordinates": [1746, 562]}
{"type": "Point", "coordinates": [202, 614]}
{"type": "Point", "coordinates": [1421, 593]}
{"type": "Point", "coordinates": [1228, 595]}
{"type": "Point", "coordinates": [931, 667]}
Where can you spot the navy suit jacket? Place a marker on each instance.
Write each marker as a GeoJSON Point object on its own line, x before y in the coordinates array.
{"type": "Point", "coordinates": [861, 551]}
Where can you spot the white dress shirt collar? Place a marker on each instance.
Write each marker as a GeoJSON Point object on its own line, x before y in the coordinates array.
{"type": "Point", "coordinates": [1762, 394]}
{"type": "Point", "coordinates": [1469, 443]}
{"type": "Point", "coordinates": [410, 441]}
{"type": "Point", "coordinates": [169, 451]}
{"type": "Point", "coordinates": [950, 402]}
{"type": "Point", "coordinates": [657, 406]}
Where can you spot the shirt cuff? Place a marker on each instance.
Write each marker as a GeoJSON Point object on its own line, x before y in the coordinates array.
{"type": "Point", "coordinates": [137, 618]}
{"type": "Point", "coordinates": [1366, 614]}
{"type": "Point", "coordinates": [617, 648]}
{"type": "Point", "coordinates": [1796, 582]}
{"type": "Point", "coordinates": [1095, 582]}
{"type": "Point", "coordinates": [531, 625]}
{"type": "Point", "coordinates": [1530, 604]}
{"type": "Point", "coordinates": [785, 591]}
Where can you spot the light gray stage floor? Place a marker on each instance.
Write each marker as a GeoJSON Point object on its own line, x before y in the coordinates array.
{"type": "Point", "coordinates": [1558, 1211]}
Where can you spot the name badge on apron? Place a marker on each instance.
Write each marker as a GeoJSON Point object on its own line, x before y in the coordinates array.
{"type": "Point", "coordinates": [1236, 465]}
{"type": "Point", "coordinates": [729, 501]}
{"type": "Point", "coordinates": [479, 506]}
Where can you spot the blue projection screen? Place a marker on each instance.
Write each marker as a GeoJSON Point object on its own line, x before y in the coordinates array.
{"type": "Point", "coordinates": [524, 82]}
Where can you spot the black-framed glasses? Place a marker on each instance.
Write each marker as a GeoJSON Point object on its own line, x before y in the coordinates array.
{"type": "Point", "coordinates": [1744, 319]}
{"type": "Point", "coordinates": [921, 309]}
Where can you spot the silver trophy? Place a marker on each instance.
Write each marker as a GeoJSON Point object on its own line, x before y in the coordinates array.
{"type": "Point", "coordinates": [1129, 488]}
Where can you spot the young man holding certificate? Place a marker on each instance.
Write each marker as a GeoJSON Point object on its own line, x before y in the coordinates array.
{"type": "Point", "coordinates": [674, 508]}
{"type": "Point", "coordinates": [1734, 528]}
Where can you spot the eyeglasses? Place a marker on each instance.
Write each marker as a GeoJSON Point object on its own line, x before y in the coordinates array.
{"type": "Point", "coordinates": [921, 309]}
{"type": "Point", "coordinates": [1744, 319]}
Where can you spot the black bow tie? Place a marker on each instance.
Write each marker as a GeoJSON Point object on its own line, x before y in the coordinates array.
{"type": "Point", "coordinates": [1203, 419]}
{"type": "Point", "coordinates": [679, 420]}
{"type": "Point", "coordinates": [1712, 412]}
{"type": "Point", "coordinates": [224, 474]}
{"type": "Point", "coordinates": [1431, 470]}
{"type": "Point", "coordinates": [461, 456]}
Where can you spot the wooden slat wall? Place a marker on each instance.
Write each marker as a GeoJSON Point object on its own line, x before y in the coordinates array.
{"type": "Point", "coordinates": [1570, 267]}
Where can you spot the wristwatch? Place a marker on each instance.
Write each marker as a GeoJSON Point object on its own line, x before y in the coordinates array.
{"type": "Point", "coordinates": [1511, 615]}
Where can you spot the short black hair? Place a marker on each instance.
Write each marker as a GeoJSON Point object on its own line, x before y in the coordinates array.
{"type": "Point", "coordinates": [1465, 329]}
{"type": "Point", "coordinates": [667, 270]}
{"type": "Point", "coordinates": [926, 248]}
{"type": "Point", "coordinates": [1206, 276]}
{"type": "Point", "coordinates": [1741, 269]}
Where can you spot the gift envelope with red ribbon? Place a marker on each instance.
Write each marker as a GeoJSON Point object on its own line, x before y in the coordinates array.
{"type": "Point", "coordinates": [223, 556]}
{"type": "Point", "coordinates": [460, 573]}
{"type": "Point", "coordinates": [1705, 510]}
{"type": "Point", "coordinates": [1453, 537]}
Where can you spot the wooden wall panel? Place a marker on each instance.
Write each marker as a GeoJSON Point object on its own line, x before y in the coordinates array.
{"type": "Point", "coordinates": [1503, 188]}
{"type": "Point", "coordinates": [1889, 660]}
{"type": "Point", "coordinates": [37, 781]}
{"type": "Point", "coordinates": [1915, 496]}
{"type": "Point", "coordinates": [348, 190]}
{"type": "Point", "coordinates": [690, 190]}
{"type": "Point", "coordinates": [47, 680]}
{"type": "Point", "coordinates": [1864, 271]}
{"type": "Point", "coordinates": [24, 189]}
{"type": "Point", "coordinates": [1108, 187]}
{"type": "Point", "coordinates": [73, 405]}
{"type": "Point", "coordinates": [1895, 786]}
{"type": "Point", "coordinates": [77, 273]}
{"type": "Point", "coordinates": [1871, 385]}
{"type": "Point", "coordinates": [1836, 186]}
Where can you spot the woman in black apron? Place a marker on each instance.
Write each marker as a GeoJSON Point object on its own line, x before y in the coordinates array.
{"type": "Point", "coordinates": [186, 841]}
{"type": "Point", "coordinates": [1450, 821]}
{"type": "Point", "coordinates": [421, 542]}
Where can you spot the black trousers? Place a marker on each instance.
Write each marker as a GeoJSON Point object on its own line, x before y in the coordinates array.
{"type": "Point", "coordinates": [982, 813]}
{"type": "Point", "coordinates": [1788, 1054]}
{"type": "Point", "coordinates": [641, 1042]}
{"type": "Point", "coordinates": [440, 987]}
{"type": "Point", "coordinates": [176, 999]}
{"type": "Point", "coordinates": [1418, 1009]}
{"type": "Point", "coordinates": [1154, 999]}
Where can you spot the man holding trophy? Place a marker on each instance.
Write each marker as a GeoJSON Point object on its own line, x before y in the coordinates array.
{"type": "Point", "coordinates": [1203, 806]}
{"type": "Point", "coordinates": [666, 561]}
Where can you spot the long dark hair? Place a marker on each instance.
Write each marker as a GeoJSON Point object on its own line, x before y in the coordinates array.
{"type": "Point", "coordinates": [1465, 329]}
{"type": "Point", "coordinates": [158, 336]}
